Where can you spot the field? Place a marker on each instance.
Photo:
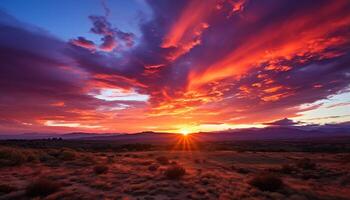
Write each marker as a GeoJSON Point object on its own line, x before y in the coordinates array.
{"type": "Point", "coordinates": [59, 169]}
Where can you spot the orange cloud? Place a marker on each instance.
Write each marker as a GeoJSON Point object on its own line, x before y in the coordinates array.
{"type": "Point", "coordinates": [187, 31]}
{"type": "Point", "coordinates": [311, 36]}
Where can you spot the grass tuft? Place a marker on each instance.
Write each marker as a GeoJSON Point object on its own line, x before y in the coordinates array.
{"type": "Point", "coordinates": [267, 182]}
{"type": "Point", "coordinates": [175, 172]}
{"type": "Point", "coordinates": [100, 169]}
{"type": "Point", "coordinates": [41, 187]}
{"type": "Point", "coordinates": [162, 160]}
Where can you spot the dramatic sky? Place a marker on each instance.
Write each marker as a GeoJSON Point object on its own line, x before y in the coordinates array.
{"type": "Point", "coordinates": [194, 65]}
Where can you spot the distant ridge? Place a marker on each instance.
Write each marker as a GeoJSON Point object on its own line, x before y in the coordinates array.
{"type": "Point", "coordinates": [268, 133]}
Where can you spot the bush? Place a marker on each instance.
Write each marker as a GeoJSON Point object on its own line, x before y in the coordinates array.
{"type": "Point", "coordinates": [266, 182]}
{"type": "Point", "coordinates": [88, 159]}
{"type": "Point", "coordinates": [67, 155]}
{"type": "Point", "coordinates": [100, 169]}
{"type": "Point", "coordinates": [43, 157]}
{"type": "Point", "coordinates": [306, 164]}
{"type": "Point", "coordinates": [41, 187]}
{"type": "Point", "coordinates": [153, 167]}
{"type": "Point", "coordinates": [163, 160]}
{"type": "Point", "coordinates": [175, 172]}
{"type": "Point", "coordinates": [287, 169]}
{"type": "Point", "coordinates": [5, 189]}
{"type": "Point", "coordinates": [345, 159]}
{"type": "Point", "coordinates": [32, 157]}
{"type": "Point", "coordinates": [110, 159]}
{"type": "Point", "coordinates": [242, 170]}
{"type": "Point", "coordinates": [11, 157]}
{"type": "Point", "coordinates": [53, 152]}
{"type": "Point", "coordinates": [173, 163]}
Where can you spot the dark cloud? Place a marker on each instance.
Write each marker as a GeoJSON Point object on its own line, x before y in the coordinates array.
{"type": "Point", "coordinates": [40, 82]}
{"type": "Point", "coordinates": [281, 83]}
{"type": "Point", "coordinates": [108, 44]}
{"type": "Point", "coordinates": [250, 62]}
{"type": "Point", "coordinates": [112, 38]}
{"type": "Point", "coordinates": [283, 122]}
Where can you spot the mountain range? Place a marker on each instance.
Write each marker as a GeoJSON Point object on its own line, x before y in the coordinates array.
{"type": "Point", "coordinates": [268, 133]}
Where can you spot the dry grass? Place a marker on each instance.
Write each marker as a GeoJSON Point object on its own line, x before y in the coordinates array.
{"type": "Point", "coordinates": [153, 167]}
{"type": "Point", "coordinates": [306, 164]}
{"type": "Point", "coordinates": [267, 182]}
{"type": "Point", "coordinates": [174, 172]}
{"type": "Point", "coordinates": [11, 157]}
{"type": "Point", "coordinates": [162, 160]}
{"type": "Point", "coordinates": [100, 169]}
{"type": "Point", "coordinates": [5, 189]}
{"type": "Point", "coordinates": [67, 155]}
{"type": "Point", "coordinates": [139, 175]}
{"type": "Point", "coordinates": [41, 187]}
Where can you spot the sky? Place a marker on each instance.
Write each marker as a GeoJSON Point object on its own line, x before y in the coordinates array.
{"type": "Point", "coordinates": [172, 66]}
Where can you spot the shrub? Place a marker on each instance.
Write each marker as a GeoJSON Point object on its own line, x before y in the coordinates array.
{"type": "Point", "coordinates": [32, 157]}
{"type": "Point", "coordinates": [345, 159]}
{"type": "Point", "coordinates": [67, 155]}
{"type": "Point", "coordinates": [153, 167]}
{"type": "Point", "coordinates": [5, 189]}
{"type": "Point", "coordinates": [41, 187]}
{"type": "Point", "coordinates": [43, 157]}
{"type": "Point", "coordinates": [287, 169]}
{"type": "Point", "coordinates": [11, 157]}
{"type": "Point", "coordinates": [110, 159]}
{"type": "Point", "coordinates": [100, 169]}
{"type": "Point", "coordinates": [266, 182]}
{"type": "Point", "coordinates": [163, 160]}
{"type": "Point", "coordinates": [174, 172]}
{"type": "Point", "coordinates": [54, 152]}
{"type": "Point", "coordinates": [88, 159]}
{"type": "Point", "coordinates": [306, 164]}
{"type": "Point", "coordinates": [173, 163]}
{"type": "Point", "coordinates": [243, 170]}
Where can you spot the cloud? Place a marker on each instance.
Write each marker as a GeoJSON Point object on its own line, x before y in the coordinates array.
{"type": "Point", "coordinates": [108, 44]}
{"type": "Point", "coordinates": [84, 43]}
{"type": "Point", "coordinates": [283, 122]}
{"type": "Point", "coordinates": [247, 67]}
{"type": "Point", "coordinates": [233, 62]}
{"type": "Point", "coordinates": [111, 37]}
{"type": "Point", "coordinates": [43, 84]}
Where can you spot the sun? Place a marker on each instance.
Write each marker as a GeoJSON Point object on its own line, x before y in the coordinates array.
{"type": "Point", "coordinates": [187, 130]}
{"type": "Point", "coordinates": [184, 132]}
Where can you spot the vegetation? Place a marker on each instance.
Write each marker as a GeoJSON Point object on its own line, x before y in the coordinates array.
{"type": "Point", "coordinates": [306, 164]}
{"type": "Point", "coordinates": [4, 189]}
{"type": "Point", "coordinates": [100, 169]}
{"type": "Point", "coordinates": [163, 160]}
{"type": "Point", "coordinates": [153, 167]}
{"type": "Point", "coordinates": [11, 157]}
{"type": "Point", "coordinates": [41, 187]}
{"type": "Point", "coordinates": [174, 172]}
{"type": "Point", "coordinates": [67, 155]}
{"type": "Point", "coordinates": [287, 169]}
{"type": "Point", "coordinates": [266, 182]}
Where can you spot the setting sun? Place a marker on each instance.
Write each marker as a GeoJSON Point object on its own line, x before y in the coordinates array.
{"type": "Point", "coordinates": [184, 132]}
{"type": "Point", "coordinates": [187, 129]}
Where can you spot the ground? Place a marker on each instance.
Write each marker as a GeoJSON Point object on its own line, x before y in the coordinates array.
{"type": "Point", "coordinates": [78, 174]}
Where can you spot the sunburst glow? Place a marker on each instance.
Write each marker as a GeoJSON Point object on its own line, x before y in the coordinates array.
{"type": "Point", "coordinates": [187, 129]}
{"type": "Point", "coordinates": [184, 132]}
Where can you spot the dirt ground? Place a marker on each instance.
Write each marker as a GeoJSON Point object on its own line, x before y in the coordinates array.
{"type": "Point", "coordinates": [208, 175]}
